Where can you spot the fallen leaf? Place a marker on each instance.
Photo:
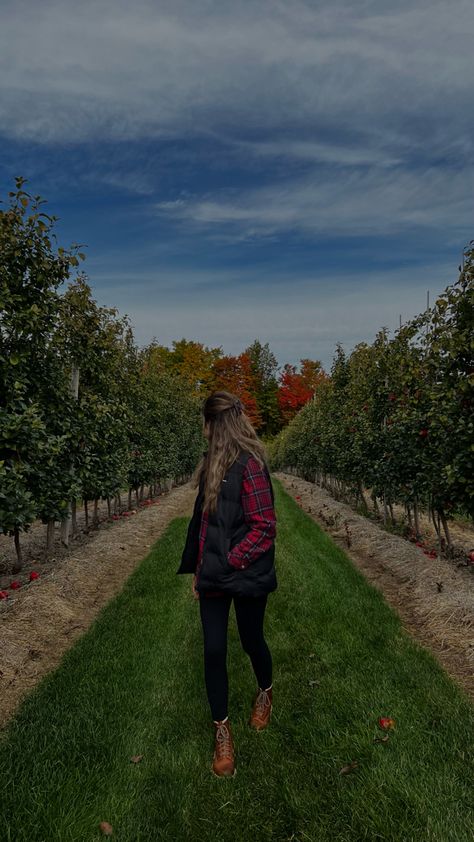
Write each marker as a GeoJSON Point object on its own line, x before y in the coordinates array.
{"type": "Point", "coordinates": [313, 681]}
{"type": "Point", "coordinates": [106, 828]}
{"type": "Point", "coordinates": [382, 739]}
{"type": "Point", "coordinates": [136, 758]}
{"type": "Point", "coordinates": [348, 768]}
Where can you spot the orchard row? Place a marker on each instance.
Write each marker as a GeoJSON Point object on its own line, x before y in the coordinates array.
{"type": "Point", "coordinates": [396, 417]}
{"type": "Point", "coordinates": [83, 415]}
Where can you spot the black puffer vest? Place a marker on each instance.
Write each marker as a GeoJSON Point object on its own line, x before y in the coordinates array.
{"type": "Point", "coordinates": [226, 528]}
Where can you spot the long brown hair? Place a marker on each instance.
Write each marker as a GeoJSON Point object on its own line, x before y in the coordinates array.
{"type": "Point", "coordinates": [230, 432]}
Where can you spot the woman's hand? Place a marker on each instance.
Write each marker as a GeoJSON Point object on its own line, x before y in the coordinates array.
{"type": "Point", "coordinates": [195, 592]}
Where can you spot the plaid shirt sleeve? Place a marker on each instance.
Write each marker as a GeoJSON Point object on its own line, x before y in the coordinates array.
{"type": "Point", "coordinates": [259, 514]}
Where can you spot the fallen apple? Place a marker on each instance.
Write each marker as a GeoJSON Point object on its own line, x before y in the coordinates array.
{"type": "Point", "coordinates": [386, 722]}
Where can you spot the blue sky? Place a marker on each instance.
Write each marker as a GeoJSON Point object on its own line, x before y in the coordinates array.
{"type": "Point", "coordinates": [297, 172]}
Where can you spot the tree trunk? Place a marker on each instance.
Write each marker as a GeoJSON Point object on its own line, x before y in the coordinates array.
{"type": "Point", "coordinates": [74, 517]}
{"type": "Point", "coordinates": [362, 496]}
{"type": "Point", "coordinates": [66, 524]}
{"type": "Point", "coordinates": [95, 519]}
{"type": "Point", "coordinates": [49, 536]}
{"type": "Point", "coordinates": [417, 520]}
{"type": "Point", "coordinates": [435, 524]}
{"type": "Point", "coordinates": [19, 558]}
{"type": "Point", "coordinates": [390, 506]}
{"type": "Point", "coordinates": [446, 529]}
{"type": "Point", "coordinates": [129, 499]}
{"type": "Point", "coordinates": [109, 509]}
{"type": "Point", "coordinates": [86, 513]}
{"type": "Point", "coordinates": [376, 505]}
{"type": "Point", "coordinates": [440, 539]}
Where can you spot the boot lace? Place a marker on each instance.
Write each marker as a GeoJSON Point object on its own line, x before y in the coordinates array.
{"type": "Point", "coordinates": [223, 741]}
{"type": "Point", "coordinates": [262, 702]}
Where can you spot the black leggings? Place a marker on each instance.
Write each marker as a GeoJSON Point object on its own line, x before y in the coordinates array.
{"type": "Point", "coordinates": [249, 612]}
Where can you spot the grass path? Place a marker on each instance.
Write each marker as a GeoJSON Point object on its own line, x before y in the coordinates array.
{"type": "Point", "coordinates": [133, 685]}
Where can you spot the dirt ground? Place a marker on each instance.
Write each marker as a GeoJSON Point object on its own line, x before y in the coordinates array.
{"type": "Point", "coordinates": [434, 597]}
{"type": "Point", "coordinates": [40, 621]}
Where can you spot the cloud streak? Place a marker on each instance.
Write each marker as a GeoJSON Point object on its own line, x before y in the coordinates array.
{"type": "Point", "coordinates": [103, 69]}
{"type": "Point", "coordinates": [363, 112]}
{"type": "Point", "coordinates": [359, 203]}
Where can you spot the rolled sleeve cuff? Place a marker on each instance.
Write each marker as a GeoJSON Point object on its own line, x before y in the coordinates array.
{"type": "Point", "coordinates": [237, 563]}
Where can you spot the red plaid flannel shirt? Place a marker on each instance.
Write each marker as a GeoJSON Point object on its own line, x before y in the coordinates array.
{"type": "Point", "coordinates": [259, 513]}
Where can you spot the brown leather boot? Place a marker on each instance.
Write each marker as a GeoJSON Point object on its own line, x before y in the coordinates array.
{"type": "Point", "coordinates": [262, 708]}
{"type": "Point", "coordinates": [223, 758]}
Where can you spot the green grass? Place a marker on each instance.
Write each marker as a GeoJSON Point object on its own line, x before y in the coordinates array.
{"type": "Point", "coordinates": [134, 684]}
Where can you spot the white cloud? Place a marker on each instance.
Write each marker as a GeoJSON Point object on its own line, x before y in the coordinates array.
{"type": "Point", "coordinates": [374, 102]}
{"type": "Point", "coordinates": [110, 69]}
{"type": "Point", "coordinates": [315, 152]}
{"type": "Point", "coordinates": [367, 202]}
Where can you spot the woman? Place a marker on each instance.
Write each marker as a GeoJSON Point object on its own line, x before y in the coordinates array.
{"type": "Point", "coordinates": [230, 549]}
